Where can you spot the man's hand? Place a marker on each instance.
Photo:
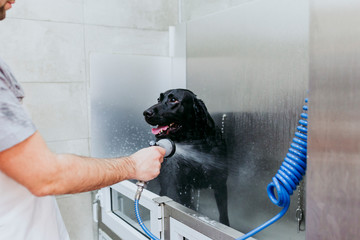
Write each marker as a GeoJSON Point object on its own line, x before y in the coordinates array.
{"type": "Point", "coordinates": [147, 163]}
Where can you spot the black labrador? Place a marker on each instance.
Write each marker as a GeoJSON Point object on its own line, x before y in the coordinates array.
{"type": "Point", "coordinates": [200, 159]}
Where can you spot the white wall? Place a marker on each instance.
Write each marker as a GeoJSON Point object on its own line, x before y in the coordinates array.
{"type": "Point", "coordinates": [47, 43]}
{"type": "Point", "coordinates": [191, 9]}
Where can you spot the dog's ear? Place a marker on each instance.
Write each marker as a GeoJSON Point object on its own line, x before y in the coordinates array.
{"type": "Point", "coordinates": [203, 118]}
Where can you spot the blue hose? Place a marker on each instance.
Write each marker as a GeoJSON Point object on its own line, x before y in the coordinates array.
{"type": "Point", "coordinates": [142, 225]}
{"type": "Point", "coordinates": [289, 175]}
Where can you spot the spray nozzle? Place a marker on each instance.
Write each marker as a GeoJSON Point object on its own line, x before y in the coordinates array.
{"type": "Point", "coordinates": [167, 144]}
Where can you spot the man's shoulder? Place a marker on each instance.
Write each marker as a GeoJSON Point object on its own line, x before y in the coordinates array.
{"type": "Point", "coordinates": [8, 80]}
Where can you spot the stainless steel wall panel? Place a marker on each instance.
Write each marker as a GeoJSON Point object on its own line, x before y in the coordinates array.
{"type": "Point", "coordinates": [245, 54]}
{"type": "Point", "coordinates": [333, 189]}
{"type": "Point", "coordinates": [251, 62]}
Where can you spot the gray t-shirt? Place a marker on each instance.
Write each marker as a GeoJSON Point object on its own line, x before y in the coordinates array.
{"type": "Point", "coordinates": [22, 215]}
{"type": "Point", "coordinates": [15, 122]}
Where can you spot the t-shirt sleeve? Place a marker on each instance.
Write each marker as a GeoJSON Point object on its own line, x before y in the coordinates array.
{"type": "Point", "coordinates": [15, 123]}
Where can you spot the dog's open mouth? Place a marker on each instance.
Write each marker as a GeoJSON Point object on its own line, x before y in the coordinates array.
{"type": "Point", "coordinates": [165, 130]}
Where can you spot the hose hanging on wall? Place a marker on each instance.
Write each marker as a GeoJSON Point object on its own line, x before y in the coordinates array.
{"type": "Point", "coordinates": [289, 175]}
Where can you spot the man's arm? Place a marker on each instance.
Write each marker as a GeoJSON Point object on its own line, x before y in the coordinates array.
{"type": "Point", "coordinates": [43, 172]}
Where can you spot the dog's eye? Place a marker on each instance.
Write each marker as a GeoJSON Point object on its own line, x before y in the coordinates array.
{"type": "Point", "coordinates": [173, 100]}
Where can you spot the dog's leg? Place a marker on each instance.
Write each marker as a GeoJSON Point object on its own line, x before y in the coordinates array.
{"type": "Point", "coordinates": [171, 193]}
{"type": "Point", "coordinates": [185, 196]}
{"type": "Point", "coordinates": [220, 192]}
{"type": "Point", "coordinates": [169, 180]}
{"type": "Point", "coordinates": [169, 188]}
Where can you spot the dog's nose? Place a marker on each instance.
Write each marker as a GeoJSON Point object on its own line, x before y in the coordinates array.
{"type": "Point", "coordinates": [148, 113]}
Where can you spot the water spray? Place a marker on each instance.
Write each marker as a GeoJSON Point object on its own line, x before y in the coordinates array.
{"type": "Point", "coordinates": [170, 149]}
{"type": "Point", "coordinates": [285, 181]}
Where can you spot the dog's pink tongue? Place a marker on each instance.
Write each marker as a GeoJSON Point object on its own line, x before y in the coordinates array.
{"type": "Point", "coordinates": [158, 129]}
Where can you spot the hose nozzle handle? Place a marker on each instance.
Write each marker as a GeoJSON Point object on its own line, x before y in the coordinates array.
{"type": "Point", "coordinates": [169, 147]}
{"type": "Point", "coordinates": [167, 144]}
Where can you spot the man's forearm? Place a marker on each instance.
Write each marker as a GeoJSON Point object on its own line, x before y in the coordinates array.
{"type": "Point", "coordinates": [73, 174]}
{"type": "Point", "coordinates": [43, 172]}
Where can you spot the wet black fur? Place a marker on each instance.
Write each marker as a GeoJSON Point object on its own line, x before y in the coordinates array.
{"type": "Point", "coordinates": [182, 173]}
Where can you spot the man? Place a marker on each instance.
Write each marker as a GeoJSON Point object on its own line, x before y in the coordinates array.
{"type": "Point", "coordinates": [30, 174]}
{"type": "Point", "coordinates": [4, 6]}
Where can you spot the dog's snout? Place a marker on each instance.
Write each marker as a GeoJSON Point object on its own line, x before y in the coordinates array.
{"type": "Point", "coordinates": [148, 113]}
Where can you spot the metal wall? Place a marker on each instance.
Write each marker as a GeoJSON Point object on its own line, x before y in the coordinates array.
{"type": "Point", "coordinates": [333, 189]}
{"type": "Point", "coordinates": [251, 63]}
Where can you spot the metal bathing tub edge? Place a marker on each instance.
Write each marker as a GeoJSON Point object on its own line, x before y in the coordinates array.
{"type": "Point", "coordinates": [194, 220]}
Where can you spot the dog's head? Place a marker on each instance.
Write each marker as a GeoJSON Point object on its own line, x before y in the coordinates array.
{"type": "Point", "coordinates": [179, 114]}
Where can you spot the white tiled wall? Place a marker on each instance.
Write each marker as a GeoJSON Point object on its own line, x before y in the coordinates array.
{"type": "Point", "coordinates": [50, 10]}
{"type": "Point", "coordinates": [139, 14]}
{"type": "Point", "coordinates": [43, 51]}
{"type": "Point", "coordinates": [47, 43]}
{"type": "Point", "coordinates": [126, 40]}
{"type": "Point", "coordinates": [194, 9]}
{"type": "Point", "coordinates": [59, 110]}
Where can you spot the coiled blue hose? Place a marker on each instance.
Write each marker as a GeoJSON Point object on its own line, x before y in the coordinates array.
{"type": "Point", "coordinates": [289, 175]}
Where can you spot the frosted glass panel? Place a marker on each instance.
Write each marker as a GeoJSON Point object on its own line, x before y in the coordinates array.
{"type": "Point", "coordinates": [123, 207]}
{"type": "Point", "coordinates": [122, 87]}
